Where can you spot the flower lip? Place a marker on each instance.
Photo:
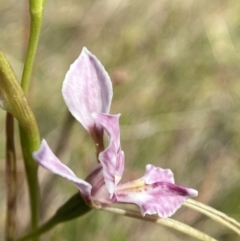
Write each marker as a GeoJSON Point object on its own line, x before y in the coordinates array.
{"type": "Point", "coordinates": [161, 197]}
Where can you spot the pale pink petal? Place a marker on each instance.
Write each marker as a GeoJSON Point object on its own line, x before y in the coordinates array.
{"type": "Point", "coordinates": [45, 157]}
{"type": "Point", "coordinates": [120, 166]}
{"type": "Point", "coordinates": [110, 123]}
{"type": "Point", "coordinates": [99, 191]}
{"type": "Point", "coordinates": [160, 197]}
{"type": "Point", "coordinates": [156, 174]}
{"type": "Point", "coordinates": [87, 88]}
{"type": "Point", "coordinates": [112, 158]}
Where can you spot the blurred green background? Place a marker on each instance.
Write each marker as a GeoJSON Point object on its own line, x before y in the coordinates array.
{"type": "Point", "coordinates": [175, 69]}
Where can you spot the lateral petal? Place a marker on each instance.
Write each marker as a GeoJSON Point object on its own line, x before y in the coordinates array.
{"type": "Point", "coordinates": [87, 88]}
{"type": "Point", "coordinates": [112, 158]}
{"type": "Point", "coordinates": [45, 157]}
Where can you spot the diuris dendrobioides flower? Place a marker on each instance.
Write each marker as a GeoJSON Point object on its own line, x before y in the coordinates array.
{"type": "Point", "coordinates": [87, 91]}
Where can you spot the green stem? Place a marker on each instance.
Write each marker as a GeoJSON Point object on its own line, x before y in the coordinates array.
{"type": "Point", "coordinates": [29, 141]}
{"type": "Point", "coordinates": [214, 214]}
{"type": "Point", "coordinates": [167, 222]}
{"type": "Point", "coordinates": [43, 229]}
{"type": "Point", "coordinates": [36, 13]}
{"type": "Point", "coordinates": [11, 179]}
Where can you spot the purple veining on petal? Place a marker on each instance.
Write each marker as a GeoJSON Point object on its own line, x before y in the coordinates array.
{"type": "Point", "coordinates": [87, 88]}
{"type": "Point", "coordinates": [45, 157]}
{"type": "Point", "coordinates": [162, 197]}
{"type": "Point", "coordinates": [112, 158]}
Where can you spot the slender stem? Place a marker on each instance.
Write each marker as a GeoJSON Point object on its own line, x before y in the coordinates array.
{"type": "Point", "coordinates": [43, 229]}
{"type": "Point", "coordinates": [30, 143]}
{"type": "Point", "coordinates": [214, 214]}
{"type": "Point", "coordinates": [170, 223]}
{"type": "Point", "coordinates": [36, 14]}
{"type": "Point", "coordinates": [11, 179]}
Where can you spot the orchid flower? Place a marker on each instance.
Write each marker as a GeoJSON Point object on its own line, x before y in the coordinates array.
{"type": "Point", "coordinates": [87, 91]}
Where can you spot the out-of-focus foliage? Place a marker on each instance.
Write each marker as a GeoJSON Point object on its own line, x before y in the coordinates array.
{"type": "Point", "coordinates": [175, 68]}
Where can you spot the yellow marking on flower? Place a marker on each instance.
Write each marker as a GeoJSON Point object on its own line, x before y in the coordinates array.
{"type": "Point", "coordinates": [137, 185]}
{"type": "Point", "coordinates": [117, 178]}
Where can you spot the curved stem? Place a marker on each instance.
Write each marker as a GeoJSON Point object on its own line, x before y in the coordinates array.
{"type": "Point", "coordinates": [170, 223]}
{"type": "Point", "coordinates": [214, 214]}
{"type": "Point", "coordinates": [36, 13]}
{"type": "Point", "coordinates": [29, 142]}
{"type": "Point", "coordinates": [43, 229]}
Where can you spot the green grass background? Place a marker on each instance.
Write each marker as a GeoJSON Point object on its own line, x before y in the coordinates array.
{"type": "Point", "coordinates": [175, 69]}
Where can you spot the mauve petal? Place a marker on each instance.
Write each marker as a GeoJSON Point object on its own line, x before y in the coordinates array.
{"type": "Point", "coordinates": [162, 197]}
{"type": "Point", "coordinates": [156, 174]}
{"type": "Point", "coordinates": [45, 157]}
{"type": "Point", "coordinates": [99, 190]}
{"type": "Point", "coordinates": [110, 123]}
{"type": "Point", "coordinates": [87, 88]}
{"type": "Point", "coordinates": [112, 158]}
{"type": "Point", "coordinates": [120, 166]}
